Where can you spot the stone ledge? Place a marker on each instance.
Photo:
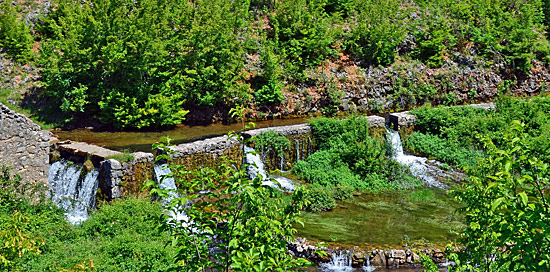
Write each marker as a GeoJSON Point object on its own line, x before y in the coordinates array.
{"type": "Point", "coordinates": [80, 152]}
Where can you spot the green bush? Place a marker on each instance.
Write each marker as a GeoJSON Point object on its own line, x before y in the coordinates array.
{"type": "Point", "coordinates": [376, 30]}
{"type": "Point", "coordinates": [271, 141]}
{"type": "Point", "coordinates": [442, 150]}
{"type": "Point", "coordinates": [136, 64]}
{"type": "Point", "coordinates": [124, 235]}
{"type": "Point", "coordinates": [304, 34]}
{"type": "Point", "coordinates": [15, 36]}
{"type": "Point", "coordinates": [326, 168]}
{"type": "Point", "coordinates": [319, 198]}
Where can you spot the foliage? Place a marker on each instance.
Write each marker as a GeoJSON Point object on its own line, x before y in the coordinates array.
{"type": "Point", "coordinates": [506, 207]}
{"type": "Point", "coordinates": [16, 241]}
{"type": "Point", "coordinates": [123, 235]}
{"type": "Point", "coordinates": [348, 160]}
{"type": "Point", "coordinates": [443, 150]}
{"type": "Point", "coordinates": [15, 36]}
{"type": "Point", "coordinates": [303, 33]}
{"type": "Point", "coordinates": [319, 198]}
{"type": "Point", "coordinates": [271, 141]}
{"type": "Point", "coordinates": [231, 222]}
{"type": "Point", "coordinates": [376, 30]}
{"type": "Point", "coordinates": [135, 64]}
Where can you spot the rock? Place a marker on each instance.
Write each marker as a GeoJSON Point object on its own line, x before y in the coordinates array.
{"type": "Point", "coordinates": [398, 255]}
{"type": "Point", "coordinates": [379, 259]}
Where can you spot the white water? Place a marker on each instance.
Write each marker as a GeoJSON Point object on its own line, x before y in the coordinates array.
{"type": "Point", "coordinates": [73, 191]}
{"type": "Point", "coordinates": [421, 168]}
{"type": "Point", "coordinates": [367, 267]}
{"type": "Point", "coordinates": [340, 262]}
{"type": "Point", "coordinates": [257, 168]}
{"type": "Point", "coordinates": [166, 181]}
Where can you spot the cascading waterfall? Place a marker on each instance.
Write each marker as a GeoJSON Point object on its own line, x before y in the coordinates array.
{"type": "Point", "coordinates": [297, 149]}
{"type": "Point", "coordinates": [164, 178]}
{"type": "Point", "coordinates": [339, 262]}
{"type": "Point", "coordinates": [308, 146]}
{"type": "Point", "coordinates": [367, 267]}
{"type": "Point", "coordinates": [256, 167]}
{"type": "Point", "coordinates": [73, 191]}
{"type": "Point", "coordinates": [421, 168]}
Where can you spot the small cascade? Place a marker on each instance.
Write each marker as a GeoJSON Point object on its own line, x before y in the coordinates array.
{"type": "Point", "coordinates": [282, 162]}
{"type": "Point", "coordinates": [73, 191]}
{"type": "Point", "coordinates": [309, 146]}
{"type": "Point", "coordinates": [164, 178]}
{"type": "Point", "coordinates": [256, 167]}
{"type": "Point", "coordinates": [297, 149]}
{"type": "Point", "coordinates": [423, 169]}
{"type": "Point", "coordinates": [367, 267]}
{"type": "Point", "coordinates": [340, 262]}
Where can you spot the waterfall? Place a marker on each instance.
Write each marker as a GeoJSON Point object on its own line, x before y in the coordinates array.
{"type": "Point", "coordinates": [340, 262]}
{"type": "Point", "coordinates": [297, 149]}
{"type": "Point", "coordinates": [421, 168]}
{"type": "Point", "coordinates": [308, 145]}
{"type": "Point", "coordinates": [256, 167]}
{"type": "Point", "coordinates": [282, 162]}
{"type": "Point", "coordinates": [72, 191]}
{"type": "Point", "coordinates": [367, 267]}
{"type": "Point", "coordinates": [165, 179]}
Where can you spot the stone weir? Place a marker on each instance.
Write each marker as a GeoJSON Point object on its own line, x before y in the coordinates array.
{"type": "Point", "coordinates": [124, 173]}
{"type": "Point", "coordinates": [387, 258]}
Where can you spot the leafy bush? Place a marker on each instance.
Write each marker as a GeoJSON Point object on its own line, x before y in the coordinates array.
{"type": "Point", "coordinates": [319, 198]}
{"type": "Point", "coordinates": [376, 30]}
{"type": "Point", "coordinates": [505, 207]}
{"type": "Point", "coordinates": [271, 141]}
{"type": "Point", "coordinates": [121, 236]}
{"type": "Point", "coordinates": [439, 148]}
{"type": "Point", "coordinates": [234, 223]}
{"type": "Point", "coordinates": [15, 36]}
{"type": "Point", "coordinates": [303, 33]}
{"type": "Point", "coordinates": [135, 64]}
{"type": "Point", "coordinates": [327, 169]}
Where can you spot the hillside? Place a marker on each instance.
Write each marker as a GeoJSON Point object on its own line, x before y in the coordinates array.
{"type": "Point", "coordinates": [147, 64]}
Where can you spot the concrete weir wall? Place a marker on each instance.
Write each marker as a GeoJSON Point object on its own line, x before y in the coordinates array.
{"type": "Point", "coordinates": [24, 146]}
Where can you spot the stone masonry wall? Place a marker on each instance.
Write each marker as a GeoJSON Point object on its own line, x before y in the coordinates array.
{"type": "Point", "coordinates": [24, 146]}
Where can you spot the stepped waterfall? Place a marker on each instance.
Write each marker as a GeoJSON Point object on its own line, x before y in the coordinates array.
{"type": "Point", "coordinates": [256, 167]}
{"type": "Point", "coordinates": [73, 189]}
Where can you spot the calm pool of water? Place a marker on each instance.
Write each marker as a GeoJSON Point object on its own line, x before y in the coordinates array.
{"type": "Point", "coordinates": [142, 140]}
{"type": "Point", "coordinates": [416, 218]}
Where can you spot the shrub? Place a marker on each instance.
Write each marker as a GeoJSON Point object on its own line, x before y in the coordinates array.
{"type": "Point", "coordinates": [435, 147]}
{"type": "Point", "coordinates": [326, 169]}
{"type": "Point", "coordinates": [15, 36]}
{"type": "Point", "coordinates": [376, 30]}
{"type": "Point", "coordinates": [319, 198]}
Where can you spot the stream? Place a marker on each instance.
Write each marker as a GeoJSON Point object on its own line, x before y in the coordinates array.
{"type": "Point", "coordinates": [142, 140]}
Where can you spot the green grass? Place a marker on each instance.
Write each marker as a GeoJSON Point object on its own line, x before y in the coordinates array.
{"type": "Point", "coordinates": [125, 156]}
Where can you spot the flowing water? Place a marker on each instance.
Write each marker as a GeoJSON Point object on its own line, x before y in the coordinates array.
{"type": "Point", "coordinates": [73, 190]}
{"type": "Point", "coordinates": [165, 179]}
{"type": "Point", "coordinates": [428, 171]}
{"type": "Point", "coordinates": [256, 167]}
{"type": "Point", "coordinates": [341, 262]}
